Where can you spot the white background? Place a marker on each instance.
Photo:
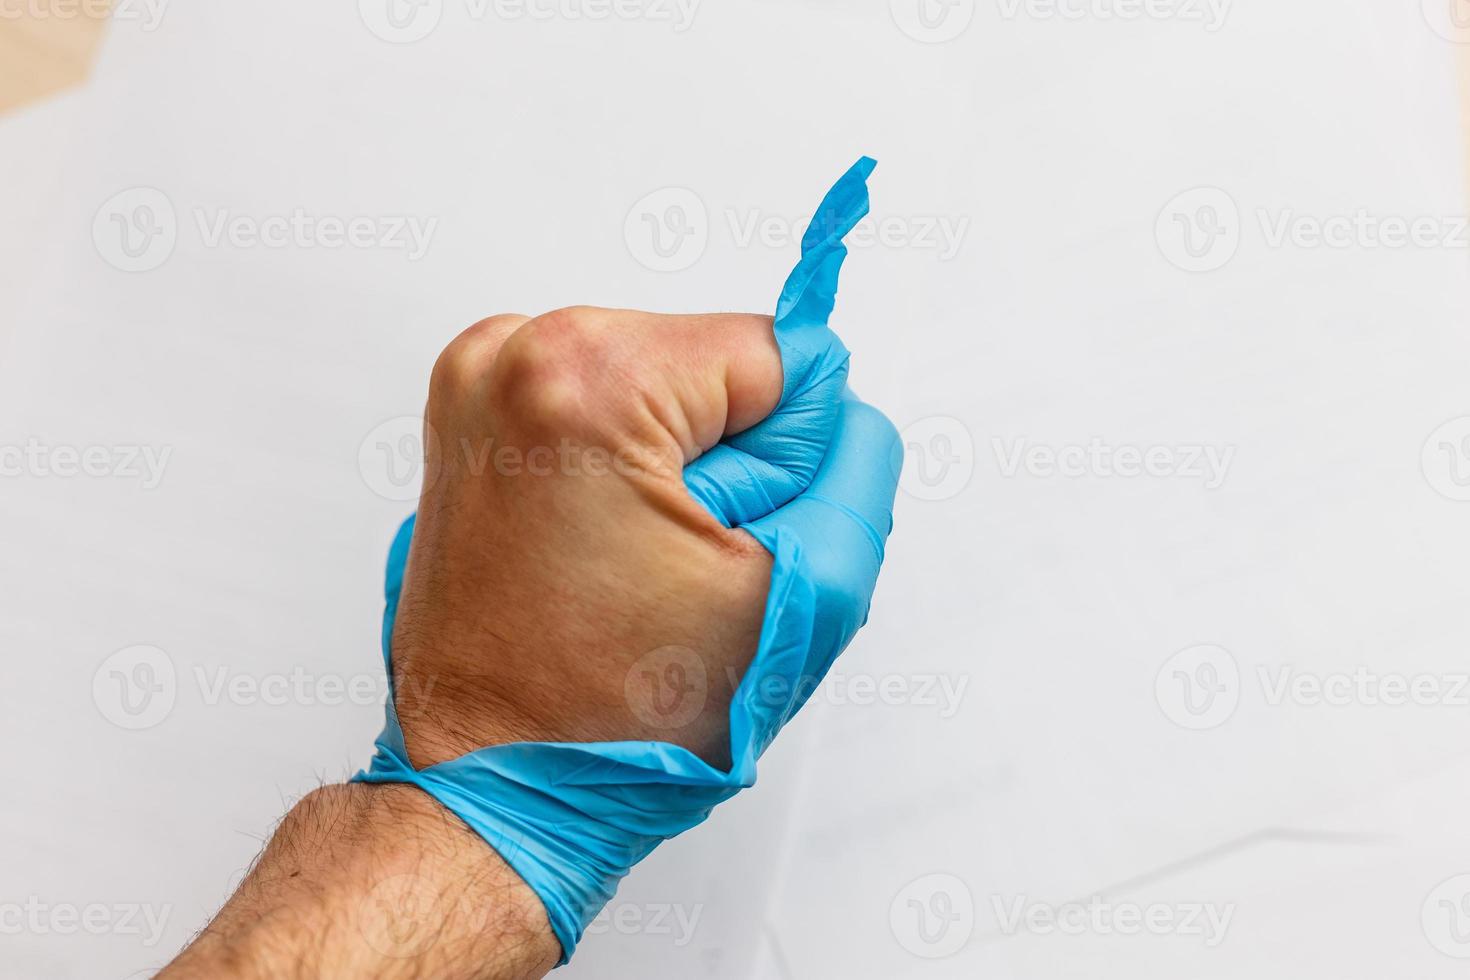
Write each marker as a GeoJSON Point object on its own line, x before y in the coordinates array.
{"type": "Point", "coordinates": [884, 839]}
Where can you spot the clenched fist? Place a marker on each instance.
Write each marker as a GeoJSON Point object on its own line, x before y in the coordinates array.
{"type": "Point", "coordinates": [557, 548]}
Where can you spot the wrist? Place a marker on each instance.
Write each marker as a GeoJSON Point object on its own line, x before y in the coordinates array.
{"type": "Point", "coordinates": [375, 881]}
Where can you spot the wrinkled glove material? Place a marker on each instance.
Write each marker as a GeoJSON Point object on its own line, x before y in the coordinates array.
{"type": "Point", "coordinates": [814, 484]}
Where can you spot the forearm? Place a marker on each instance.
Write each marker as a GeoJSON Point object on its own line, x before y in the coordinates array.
{"type": "Point", "coordinates": [374, 881]}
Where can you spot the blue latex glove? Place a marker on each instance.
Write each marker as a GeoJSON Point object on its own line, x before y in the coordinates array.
{"type": "Point", "coordinates": [814, 483]}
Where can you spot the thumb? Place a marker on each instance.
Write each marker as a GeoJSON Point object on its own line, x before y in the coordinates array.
{"type": "Point", "coordinates": [760, 469]}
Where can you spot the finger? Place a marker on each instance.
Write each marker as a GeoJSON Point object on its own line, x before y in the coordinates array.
{"type": "Point", "coordinates": [811, 289]}
{"type": "Point", "coordinates": [640, 378]}
{"type": "Point", "coordinates": [840, 525]}
{"type": "Point", "coordinates": [724, 368]}
{"type": "Point", "coordinates": [467, 359]}
{"type": "Point", "coordinates": [761, 468]}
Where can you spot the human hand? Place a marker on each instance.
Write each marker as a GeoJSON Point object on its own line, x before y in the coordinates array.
{"type": "Point", "coordinates": [607, 503]}
{"type": "Point", "coordinates": [556, 546]}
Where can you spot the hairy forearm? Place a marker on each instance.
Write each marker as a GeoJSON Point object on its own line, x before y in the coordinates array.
{"type": "Point", "coordinates": [374, 881]}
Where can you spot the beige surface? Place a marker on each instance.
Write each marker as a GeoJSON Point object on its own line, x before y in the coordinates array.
{"type": "Point", "coordinates": [46, 46]}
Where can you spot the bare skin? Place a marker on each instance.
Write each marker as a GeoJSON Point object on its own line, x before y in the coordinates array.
{"type": "Point", "coordinates": [374, 881]}
{"type": "Point", "coordinates": [556, 555]}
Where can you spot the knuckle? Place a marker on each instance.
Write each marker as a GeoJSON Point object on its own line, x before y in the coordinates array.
{"type": "Point", "coordinates": [465, 362]}
{"type": "Point", "coordinates": [552, 371]}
